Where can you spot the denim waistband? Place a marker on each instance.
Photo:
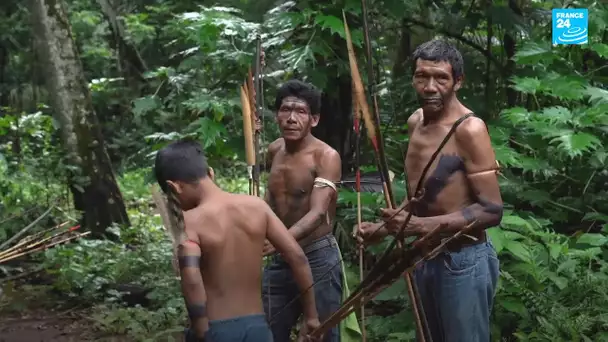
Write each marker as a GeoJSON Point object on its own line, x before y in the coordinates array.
{"type": "Point", "coordinates": [254, 318]}
{"type": "Point", "coordinates": [322, 242]}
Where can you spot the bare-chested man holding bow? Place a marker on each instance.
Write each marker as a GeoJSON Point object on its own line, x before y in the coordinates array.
{"type": "Point", "coordinates": [457, 287]}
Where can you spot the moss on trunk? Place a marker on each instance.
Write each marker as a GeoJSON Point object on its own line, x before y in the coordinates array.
{"type": "Point", "coordinates": [92, 179]}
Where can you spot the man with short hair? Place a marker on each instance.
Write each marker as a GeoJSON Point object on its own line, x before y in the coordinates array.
{"type": "Point", "coordinates": [220, 259]}
{"type": "Point", "coordinates": [302, 192]}
{"type": "Point", "coordinates": [457, 287]}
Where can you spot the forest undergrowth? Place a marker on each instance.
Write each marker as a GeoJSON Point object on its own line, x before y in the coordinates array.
{"type": "Point", "coordinates": [545, 107]}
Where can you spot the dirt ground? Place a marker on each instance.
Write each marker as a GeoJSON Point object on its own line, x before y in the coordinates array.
{"type": "Point", "coordinates": [67, 326]}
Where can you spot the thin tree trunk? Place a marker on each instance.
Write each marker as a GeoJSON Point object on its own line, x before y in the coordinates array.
{"type": "Point", "coordinates": [92, 180]}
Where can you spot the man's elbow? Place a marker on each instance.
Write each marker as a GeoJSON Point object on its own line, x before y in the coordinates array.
{"type": "Point", "coordinates": [493, 211]}
{"type": "Point", "coordinates": [496, 219]}
{"type": "Point", "coordinates": [296, 257]}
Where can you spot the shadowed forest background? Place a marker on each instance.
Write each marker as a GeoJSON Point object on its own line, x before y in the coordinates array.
{"type": "Point", "coordinates": [89, 90]}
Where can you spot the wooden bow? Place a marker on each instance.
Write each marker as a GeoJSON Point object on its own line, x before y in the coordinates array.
{"type": "Point", "coordinates": [378, 278]}
{"type": "Point", "coordinates": [251, 103]}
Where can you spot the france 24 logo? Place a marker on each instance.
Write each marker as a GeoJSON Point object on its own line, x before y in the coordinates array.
{"type": "Point", "coordinates": [570, 26]}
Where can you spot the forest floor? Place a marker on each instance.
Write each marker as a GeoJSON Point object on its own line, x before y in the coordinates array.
{"type": "Point", "coordinates": [28, 313]}
{"type": "Point", "coordinates": [46, 325]}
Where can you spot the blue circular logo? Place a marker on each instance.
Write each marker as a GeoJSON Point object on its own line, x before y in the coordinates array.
{"type": "Point", "coordinates": [574, 35]}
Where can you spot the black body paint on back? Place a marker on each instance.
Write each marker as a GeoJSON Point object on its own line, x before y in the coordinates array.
{"type": "Point", "coordinates": [189, 261]}
{"type": "Point", "coordinates": [196, 311]}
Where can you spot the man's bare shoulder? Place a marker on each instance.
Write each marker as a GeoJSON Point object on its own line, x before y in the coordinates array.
{"type": "Point", "coordinates": [414, 119]}
{"type": "Point", "coordinates": [252, 204]}
{"type": "Point", "coordinates": [193, 220]}
{"type": "Point", "coordinates": [276, 145]}
{"type": "Point", "coordinates": [324, 152]}
{"type": "Point", "coordinates": [470, 130]}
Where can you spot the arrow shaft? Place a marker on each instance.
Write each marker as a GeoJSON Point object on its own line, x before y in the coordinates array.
{"type": "Point", "coordinates": [379, 145]}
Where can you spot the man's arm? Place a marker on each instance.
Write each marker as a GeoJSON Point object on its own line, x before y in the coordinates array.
{"type": "Point", "coordinates": [481, 168]}
{"type": "Point", "coordinates": [293, 254]}
{"type": "Point", "coordinates": [330, 168]}
{"type": "Point", "coordinates": [193, 289]}
{"type": "Point", "coordinates": [272, 148]}
{"type": "Point", "coordinates": [412, 122]}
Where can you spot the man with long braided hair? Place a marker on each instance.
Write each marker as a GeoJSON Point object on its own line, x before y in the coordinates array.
{"type": "Point", "coordinates": [220, 253]}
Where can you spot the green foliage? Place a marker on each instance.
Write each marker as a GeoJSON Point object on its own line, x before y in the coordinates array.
{"type": "Point", "coordinates": [546, 114]}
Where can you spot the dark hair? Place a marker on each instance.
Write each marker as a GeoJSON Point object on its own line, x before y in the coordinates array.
{"type": "Point", "coordinates": [183, 160]}
{"type": "Point", "coordinates": [439, 50]}
{"type": "Point", "coordinates": [301, 90]}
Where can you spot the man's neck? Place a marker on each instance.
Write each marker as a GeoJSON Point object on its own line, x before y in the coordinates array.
{"type": "Point", "coordinates": [298, 145]}
{"type": "Point", "coordinates": [210, 191]}
{"type": "Point", "coordinates": [452, 109]}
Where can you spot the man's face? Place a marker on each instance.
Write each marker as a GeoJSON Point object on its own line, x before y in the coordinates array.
{"type": "Point", "coordinates": [434, 85]}
{"type": "Point", "coordinates": [295, 119]}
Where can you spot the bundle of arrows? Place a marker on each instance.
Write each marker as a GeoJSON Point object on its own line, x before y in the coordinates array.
{"type": "Point", "coordinates": [41, 241]}
{"type": "Point", "coordinates": [387, 270]}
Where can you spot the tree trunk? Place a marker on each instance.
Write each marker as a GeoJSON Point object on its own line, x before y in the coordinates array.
{"type": "Point", "coordinates": [92, 180]}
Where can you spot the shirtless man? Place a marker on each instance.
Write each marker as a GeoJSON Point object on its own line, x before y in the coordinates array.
{"type": "Point", "coordinates": [457, 287]}
{"type": "Point", "coordinates": [302, 193]}
{"type": "Point", "coordinates": [221, 257]}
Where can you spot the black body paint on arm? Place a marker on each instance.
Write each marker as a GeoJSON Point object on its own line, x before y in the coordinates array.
{"type": "Point", "coordinates": [196, 310]}
{"type": "Point", "coordinates": [189, 261]}
{"type": "Point", "coordinates": [489, 207]}
{"type": "Point", "coordinates": [486, 213]}
{"type": "Point", "coordinates": [468, 215]}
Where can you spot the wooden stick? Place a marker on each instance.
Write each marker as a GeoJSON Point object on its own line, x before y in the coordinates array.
{"type": "Point", "coordinates": [30, 238]}
{"type": "Point", "coordinates": [37, 243]}
{"type": "Point", "coordinates": [45, 247]}
{"type": "Point", "coordinates": [24, 230]}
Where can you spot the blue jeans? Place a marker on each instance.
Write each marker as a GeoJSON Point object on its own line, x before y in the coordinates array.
{"type": "Point", "coordinates": [250, 328]}
{"type": "Point", "coordinates": [279, 289]}
{"type": "Point", "coordinates": [457, 292]}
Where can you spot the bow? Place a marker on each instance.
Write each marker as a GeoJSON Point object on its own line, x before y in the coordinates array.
{"type": "Point", "coordinates": [357, 129]}
{"type": "Point", "coordinates": [413, 293]}
{"type": "Point", "coordinates": [376, 281]}
{"type": "Point", "coordinates": [252, 105]}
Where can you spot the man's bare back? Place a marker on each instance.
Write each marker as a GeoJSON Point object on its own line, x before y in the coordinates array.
{"type": "Point", "coordinates": [291, 183]}
{"type": "Point", "coordinates": [220, 252]}
{"type": "Point", "coordinates": [231, 231]}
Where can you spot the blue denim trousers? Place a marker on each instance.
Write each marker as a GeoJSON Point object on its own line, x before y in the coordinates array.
{"type": "Point", "coordinates": [250, 328]}
{"type": "Point", "coordinates": [279, 289]}
{"type": "Point", "coordinates": [457, 292]}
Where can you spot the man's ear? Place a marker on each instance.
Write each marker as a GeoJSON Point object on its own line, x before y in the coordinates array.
{"type": "Point", "coordinates": [211, 173]}
{"type": "Point", "coordinates": [315, 119]}
{"type": "Point", "coordinates": [458, 83]}
{"type": "Point", "coordinates": [175, 186]}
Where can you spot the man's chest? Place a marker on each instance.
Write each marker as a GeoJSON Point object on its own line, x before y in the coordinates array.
{"type": "Point", "coordinates": [291, 173]}
{"type": "Point", "coordinates": [420, 153]}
